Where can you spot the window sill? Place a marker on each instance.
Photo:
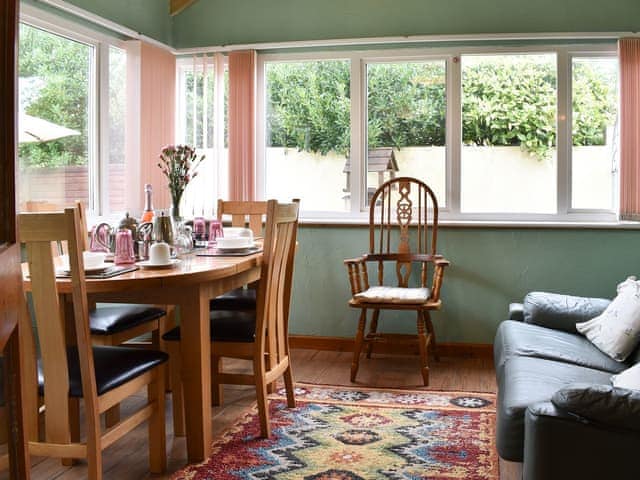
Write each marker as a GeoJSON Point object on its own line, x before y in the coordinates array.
{"type": "Point", "coordinates": [511, 224]}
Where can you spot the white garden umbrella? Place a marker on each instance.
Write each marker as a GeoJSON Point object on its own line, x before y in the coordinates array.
{"type": "Point", "coordinates": [34, 129]}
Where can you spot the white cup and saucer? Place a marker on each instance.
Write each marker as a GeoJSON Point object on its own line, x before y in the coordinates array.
{"type": "Point", "coordinates": [159, 257]}
{"type": "Point", "coordinates": [93, 262]}
{"type": "Point", "coordinates": [235, 239]}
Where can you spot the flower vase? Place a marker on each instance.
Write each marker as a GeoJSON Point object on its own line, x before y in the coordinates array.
{"type": "Point", "coordinates": [175, 209]}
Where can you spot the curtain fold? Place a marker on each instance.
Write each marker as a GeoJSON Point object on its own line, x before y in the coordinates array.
{"type": "Point", "coordinates": [150, 125]}
{"type": "Point", "coordinates": [242, 124]}
{"type": "Point", "coordinates": [629, 55]}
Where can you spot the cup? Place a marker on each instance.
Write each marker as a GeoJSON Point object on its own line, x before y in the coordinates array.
{"type": "Point", "coordinates": [159, 253]}
{"type": "Point", "coordinates": [93, 259]}
{"type": "Point", "coordinates": [124, 248]}
{"type": "Point", "coordinates": [215, 231]}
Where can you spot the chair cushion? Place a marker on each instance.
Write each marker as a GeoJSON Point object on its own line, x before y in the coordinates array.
{"type": "Point", "coordinates": [114, 366]}
{"type": "Point", "coordinates": [238, 299]}
{"type": "Point", "coordinates": [381, 294]}
{"type": "Point", "coordinates": [226, 326]}
{"type": "Point", "coordinates": [108, 319]}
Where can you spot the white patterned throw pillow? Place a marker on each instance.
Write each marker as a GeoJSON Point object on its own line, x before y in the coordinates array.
{"type": "Point", "coordinates": [617, 330]}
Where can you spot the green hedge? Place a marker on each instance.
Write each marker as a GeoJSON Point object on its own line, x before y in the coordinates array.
{"type": "Point", "coordinates": [508, 101]}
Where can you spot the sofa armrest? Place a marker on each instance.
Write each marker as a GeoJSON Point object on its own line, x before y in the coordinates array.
{"type": "Point", "coordinates": [559, 446]}
{"type": "Point", "coordinates": [602, 404]}
{"type": "Point", "coordinates": [561, 312]}
{"type": "Point", "coordinates": [516, 311]}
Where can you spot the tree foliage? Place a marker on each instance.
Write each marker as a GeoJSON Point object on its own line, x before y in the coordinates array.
{"type": "Point", "coordinates": [509, 101]}
{"type": "Point", "coordinates": [54, 76]}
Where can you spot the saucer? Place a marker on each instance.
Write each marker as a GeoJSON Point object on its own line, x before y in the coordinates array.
{"type": "Point", "coordinates": [147, 264]}
{"type": "Point", "coordinates": [236, 249]}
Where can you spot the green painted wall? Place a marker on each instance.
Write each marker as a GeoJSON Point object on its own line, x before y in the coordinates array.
{"type": "Point", "coordinates": [490, 268]}
{"type": "Point", "coordinates": [149, 17]}
{"type": "Point", "coordinates": [216, 22]}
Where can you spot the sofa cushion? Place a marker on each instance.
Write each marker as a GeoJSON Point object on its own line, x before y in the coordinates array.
{"type": "Point", "coordinates": [561, 312]}
{"type": "Point", "coordinates": [528, 380]}
{"type": "Point", "coordinates": [617, 330]}
{"type": "Point", "coordinates": [517, 339]}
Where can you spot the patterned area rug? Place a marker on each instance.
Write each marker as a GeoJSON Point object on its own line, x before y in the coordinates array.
{"type": "Point", "coordinates": [341, 433]}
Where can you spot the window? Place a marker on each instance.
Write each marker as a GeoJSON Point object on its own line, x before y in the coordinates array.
{"type": "Point", "coordinates": [308, 134]}
{"type": "Point", "coordinates": [499, 133]}
{"type": "Point", "coordinates": [202, 123]}
{"type": "Point", "coordinates": [72, 97]}
{"type": "Point", "coordinates": [406, 116]}
{"type": "Point", "coordinates": [594, 131]}
{"type": "Point", "coordinates": [509, 110]}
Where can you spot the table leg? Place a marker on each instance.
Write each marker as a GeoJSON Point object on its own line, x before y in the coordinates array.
{"type": "Point", "coordinates": [196, 372]}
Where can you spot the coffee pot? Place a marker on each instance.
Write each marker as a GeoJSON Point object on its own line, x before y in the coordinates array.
{"type": "Point", "coordinates": [163, 230]}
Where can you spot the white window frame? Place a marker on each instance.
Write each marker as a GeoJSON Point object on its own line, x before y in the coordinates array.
{"type": "Point", "coordinates": [451, 213]}
{"type": "Point", "coordinates": [98, 104]}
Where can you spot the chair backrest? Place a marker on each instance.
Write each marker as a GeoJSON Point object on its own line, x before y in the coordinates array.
{"type": "Point", "coordinates": [399, 207]}
{"type": "Point", "coordinates": [274, 290]}
{"type": "Point", "coordinates": [37, 231]}
{"type": "Point", "coordinates": [244, 214]}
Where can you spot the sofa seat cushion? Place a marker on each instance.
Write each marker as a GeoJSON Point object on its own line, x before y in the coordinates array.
{"type": "Point", "coordinates": [528, 380]}
{"type": "Point", "coordinates": [518, 339]}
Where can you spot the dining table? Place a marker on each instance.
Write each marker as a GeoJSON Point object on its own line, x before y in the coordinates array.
{"type": "Point", "coordinates": [190, 284]}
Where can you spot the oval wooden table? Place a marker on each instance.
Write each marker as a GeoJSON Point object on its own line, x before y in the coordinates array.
{"type": "Point", "coordinates": [189, 285]}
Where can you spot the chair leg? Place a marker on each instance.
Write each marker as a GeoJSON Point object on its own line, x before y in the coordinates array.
{"type": "Point", "coordinates": [261, 395]}
{"type": "Point", "coordinates": [429, 325]}
{"type": "Point", "coordinates": [289, 386]}
{"type": "Point", "coordinates": [175, 366]}
{"type": "Point", "coordinates": [112, 416]}
{"type": "Point", "coordinates": [157, 432]}
{"type": "Point", "coordinates": [74, 427]}
{"type": "Point", "coordinates": [216, 386]}
{"type": "Point", "coordinates": [357, 347]}
{"type": "Point", "coordinates": [423, 339]}
{"type": "Point", "coordinates": [373, 329]}
{"type": "Point", "coordinates": [93, 443]}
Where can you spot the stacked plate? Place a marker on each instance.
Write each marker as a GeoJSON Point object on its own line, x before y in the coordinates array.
{"type": "Point", "coordinates": [234, 244]}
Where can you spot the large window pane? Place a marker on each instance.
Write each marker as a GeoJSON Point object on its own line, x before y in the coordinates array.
{"type": "Point", "coordinates": [54, 83]}
{"type": "Point", "coordinates": [509, 112]}
{"type": "Point", "coordinates": [199, 127]}
{"type": "Point", "coordinates": [595, 121]}
{"type": "Point", "coordinates": [117, 114]}
{"type": "Point", "coordinates": [406, 113]}
{"type": "Point", "coordinates": [308, 133]}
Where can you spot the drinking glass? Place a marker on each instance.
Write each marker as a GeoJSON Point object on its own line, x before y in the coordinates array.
{"type": "Point", "coordinates": [124, 248]}
{"type": "Point", "coordinates": [215, 231]}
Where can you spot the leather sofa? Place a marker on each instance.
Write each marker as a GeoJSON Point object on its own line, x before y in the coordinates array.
{"type": "Point", "coordinates": [557, 410]}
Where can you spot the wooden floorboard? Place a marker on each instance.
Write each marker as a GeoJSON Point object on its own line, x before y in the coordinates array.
{"type": "Point", "coordinates": [128, 458]}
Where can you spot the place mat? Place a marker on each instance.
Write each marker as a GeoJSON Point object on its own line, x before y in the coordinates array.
{"type": "Point", "coordinates": [212, 252]}
{"type": "Point", "coordinates": [107, 273]}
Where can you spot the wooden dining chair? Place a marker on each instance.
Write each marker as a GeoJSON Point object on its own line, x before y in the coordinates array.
{"type": "Point", "coordinates": [403, 232]}
{"type": "Point", "coordinates": [260, 336]}
{"type": "Point", "coordinates": [71, 368]}
{"type": "Point", "coordinates": [116, 323]}
{"type": "Point", "coordinates": [247, 215]}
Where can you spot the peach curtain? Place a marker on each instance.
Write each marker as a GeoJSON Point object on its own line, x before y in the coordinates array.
{"type": "Point", "coordinates": [629, 54]}
{"type": "Point", "coordinates": [242, 115]}
{"type": "Point", "coordinates": [151, 79]}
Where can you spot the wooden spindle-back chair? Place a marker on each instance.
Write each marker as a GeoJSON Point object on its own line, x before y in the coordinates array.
{"type": "Point", "coordinates": [403, 232]}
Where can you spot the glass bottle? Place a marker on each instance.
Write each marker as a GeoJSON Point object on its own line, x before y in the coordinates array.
{"type": "Point", "coordinates": [147, 214]}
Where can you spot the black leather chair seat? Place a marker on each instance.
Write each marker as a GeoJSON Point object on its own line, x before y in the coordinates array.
{"type": "Point", "coordinates": [115, 318]}
{"type": "Point", "coordinates": [238, 299]}
{"type": "Point", "coordinates": [225, 327]}
{"type": "Point", "coordinates": [529, 380]}
{"type": "Point", "coordinates": [114, 366]}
